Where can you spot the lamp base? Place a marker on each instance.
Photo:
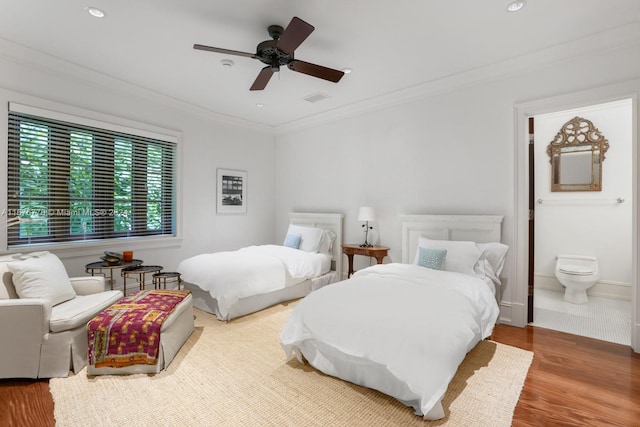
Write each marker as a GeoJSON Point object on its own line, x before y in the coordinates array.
{"type": "Point", "coordinates": [366, 245]}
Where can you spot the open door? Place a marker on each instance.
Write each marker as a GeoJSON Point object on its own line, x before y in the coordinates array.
{"type": "Point", "coordinates": [531, 222]}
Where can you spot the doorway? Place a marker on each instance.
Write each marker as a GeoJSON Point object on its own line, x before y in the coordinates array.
{"type": "Point", "coordinates": [515, 310]}
{"type": "Point", "coordinates": [585, 223]}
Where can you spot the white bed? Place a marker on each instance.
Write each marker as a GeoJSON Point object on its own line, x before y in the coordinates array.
{"type": "Point", "coordinates": [235, 283]}
{"type": "Point", "coordinates": [401, 328]}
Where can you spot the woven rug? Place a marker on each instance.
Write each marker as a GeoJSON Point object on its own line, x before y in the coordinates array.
{"type": "Point", "coordinates": [236, 374]}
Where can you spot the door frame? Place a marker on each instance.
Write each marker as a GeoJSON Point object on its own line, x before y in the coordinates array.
{"type": "Point", "coordinates": [519, 262]}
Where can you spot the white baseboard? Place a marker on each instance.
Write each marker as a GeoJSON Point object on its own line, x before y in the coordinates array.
{"type": "Point", "coordinates": [513, 314]}
{"type": "Point", "coordinates": [604, 288]}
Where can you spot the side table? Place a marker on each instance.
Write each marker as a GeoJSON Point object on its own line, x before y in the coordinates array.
{"type": "Point", "coordinates": [377, 252]}
{"type": "Point", "coordinates": [164, 277]}
{"type": "Point", "coordinates": [98, 267]}
{"type": "Point", "coordinates": [141, 271]}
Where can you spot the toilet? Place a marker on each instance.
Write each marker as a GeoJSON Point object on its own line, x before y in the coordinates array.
{"type": "Point", "coordinates": [577, 273]}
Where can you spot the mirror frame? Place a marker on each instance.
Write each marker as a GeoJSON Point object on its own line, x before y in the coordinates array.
{"type": "Point", "coordinates": [576, 136]}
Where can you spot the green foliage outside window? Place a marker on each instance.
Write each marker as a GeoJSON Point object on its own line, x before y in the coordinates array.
{"type": "Point", "coordinates": [73, 183]}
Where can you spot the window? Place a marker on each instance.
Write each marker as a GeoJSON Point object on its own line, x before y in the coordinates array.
{"type": "Point", "coordinates": [73, 182]}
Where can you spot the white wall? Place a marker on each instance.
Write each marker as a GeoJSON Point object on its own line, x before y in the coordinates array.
{"type": "Point", "coordinates": [587, 223]}
{"type": "Point", "coordinates": [450, 152]}
{"type": "Point", "coordinates": [206, 144]}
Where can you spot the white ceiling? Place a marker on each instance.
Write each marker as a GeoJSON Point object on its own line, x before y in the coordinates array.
{"type": "Point", "coordinates": [390, 45]}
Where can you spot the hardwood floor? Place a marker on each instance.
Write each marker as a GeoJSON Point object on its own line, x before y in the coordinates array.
{"type": "Point", "coordinates": [26, 403]}
{"type": "Point", "coordinates": [573, 381]}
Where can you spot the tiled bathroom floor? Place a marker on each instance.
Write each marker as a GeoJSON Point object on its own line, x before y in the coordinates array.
{"type": "Point", "coordinates": [601, 318]}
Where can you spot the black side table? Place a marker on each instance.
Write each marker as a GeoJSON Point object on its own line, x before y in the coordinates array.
{"type": "Point", "coordinates": [141, 271]}
{"type": "Point", "coordinates": [97, 267]}
{"type": "Point", "coordinates": [165, 277]}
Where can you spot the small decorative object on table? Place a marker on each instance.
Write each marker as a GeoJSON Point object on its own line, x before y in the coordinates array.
{"type": "Point", "coordinates": [127, 256]}
{"type": "Point", "coordinates": [111, 258]}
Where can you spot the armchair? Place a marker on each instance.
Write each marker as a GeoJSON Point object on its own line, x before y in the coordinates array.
{"type": "Point", "coordinates": [40, 336]}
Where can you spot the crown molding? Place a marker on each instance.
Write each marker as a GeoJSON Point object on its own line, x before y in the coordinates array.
{"type": "Point", "coordinates": [607, 41]}
{"type": "Point", "coordinates": [619, 38]}
{"type": "Point", "coordinates": [27, 57]}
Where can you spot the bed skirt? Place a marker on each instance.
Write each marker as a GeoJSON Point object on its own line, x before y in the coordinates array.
{"type": "Point", "coordinates": [205, 302]}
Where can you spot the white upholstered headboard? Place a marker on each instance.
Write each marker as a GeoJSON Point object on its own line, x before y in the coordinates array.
{"type": "Point", "coordinates": [329, 221]}
{"type": "Point", "coordinates": [476, 228]}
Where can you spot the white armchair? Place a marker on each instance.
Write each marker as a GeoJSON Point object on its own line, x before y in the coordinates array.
{"type": "Point", "coordinates": [40, 336]}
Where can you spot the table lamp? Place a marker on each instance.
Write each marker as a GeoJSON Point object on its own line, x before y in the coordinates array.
{"type": "Point", "coordinates": [366, 214]}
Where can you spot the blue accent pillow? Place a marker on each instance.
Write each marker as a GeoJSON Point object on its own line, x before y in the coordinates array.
{"type": "Point", "coordinates": [432, 258]}
{"type": "Point", "coordinates": [292, 240]}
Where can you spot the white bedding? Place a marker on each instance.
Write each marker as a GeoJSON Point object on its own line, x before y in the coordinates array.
{"type": "Point", "coordinates": [254, 270]}
{"type": "Point", "coordinates": [399, 328]}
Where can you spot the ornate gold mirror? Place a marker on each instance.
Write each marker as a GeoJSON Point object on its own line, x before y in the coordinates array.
{"type": "Point", "coordinates": [576, 155]}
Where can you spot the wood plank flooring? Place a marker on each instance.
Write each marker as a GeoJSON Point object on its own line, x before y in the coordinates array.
{"type": "Point", "coordinates": [573, 381]}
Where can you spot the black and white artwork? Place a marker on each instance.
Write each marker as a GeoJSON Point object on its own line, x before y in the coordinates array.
{"type": "Point", "coordinates": [232, 192]}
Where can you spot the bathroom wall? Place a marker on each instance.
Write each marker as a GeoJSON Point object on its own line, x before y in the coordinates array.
{"type": "Point", "coordinates": [587, 223]}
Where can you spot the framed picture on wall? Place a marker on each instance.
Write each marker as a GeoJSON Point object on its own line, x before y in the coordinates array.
{"type": "Point", "coordinates": [231, 195]}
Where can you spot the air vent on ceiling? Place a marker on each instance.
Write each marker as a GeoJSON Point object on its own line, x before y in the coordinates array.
{"type": "Point", "coordinates": [316, 97]}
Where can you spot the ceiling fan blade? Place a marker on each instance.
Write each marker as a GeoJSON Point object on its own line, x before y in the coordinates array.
{"type": "Point", "coordinates": [226, 51]}
{"type": "Point", "coordinates": [316, 70]}
{"type": "Point", "coordinates": [293, 36]}
{"type": "Point", "coordinates": [263, 78]}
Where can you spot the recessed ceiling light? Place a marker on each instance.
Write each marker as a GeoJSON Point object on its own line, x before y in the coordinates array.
{"type": "Point", "coordinates": [259, 105]}
{"type": "Point", "coordinates": [347, 70]}
{"type": "Point", "coordinates": [94, 11]}
{"type": "Point", "coordinates": [515, 6]}
{"type": "Point", "coordinates": [226, 63]}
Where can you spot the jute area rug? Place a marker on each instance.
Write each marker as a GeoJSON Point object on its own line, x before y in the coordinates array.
{"type": "Point", "coordinates": [236, 374]}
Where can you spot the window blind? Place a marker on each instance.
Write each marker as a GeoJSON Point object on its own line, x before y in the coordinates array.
{"type": "Point", "coordinates": [74, 182]}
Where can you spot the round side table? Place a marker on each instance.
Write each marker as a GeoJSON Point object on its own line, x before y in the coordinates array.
{"type": "Point", "coordinates": [141, 272]}
{"type": "Point", "coordinates": [164, 277]}
{"type": "Point", "coordinates": [98, 267]}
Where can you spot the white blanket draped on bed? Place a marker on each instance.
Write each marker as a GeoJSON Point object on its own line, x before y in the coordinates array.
{"type": "Point", "coordinates": [254, 270]}
{"type": "Point", "coordinates": [409, 326]}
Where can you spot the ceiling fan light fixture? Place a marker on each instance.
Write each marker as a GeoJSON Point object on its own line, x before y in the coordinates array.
{"type": "Point", "coordinates": [515, 6]}
{"type": "Point", "coordinates": [95, 12]}
{"type": "Point", "coordinates": [347, 70]}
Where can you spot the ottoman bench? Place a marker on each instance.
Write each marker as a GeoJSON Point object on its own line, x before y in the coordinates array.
{"type": "Point", "coordinates": [171, 311]}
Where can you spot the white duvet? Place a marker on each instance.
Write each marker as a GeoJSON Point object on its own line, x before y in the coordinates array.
{"type": "Point", "coordinates": [254, 270]}
{"type": "Point", "coordinates": [398, 328]}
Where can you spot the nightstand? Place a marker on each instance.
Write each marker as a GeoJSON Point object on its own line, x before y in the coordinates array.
{"type": "Point", "coordinates": [377, 252]}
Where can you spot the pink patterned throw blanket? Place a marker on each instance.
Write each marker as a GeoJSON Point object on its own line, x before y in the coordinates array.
{"type": "Point", "coordinates": [128, 332]}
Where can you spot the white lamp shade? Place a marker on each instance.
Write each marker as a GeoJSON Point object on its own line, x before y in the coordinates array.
{"type": "Point", "coordinates": [366, 214]}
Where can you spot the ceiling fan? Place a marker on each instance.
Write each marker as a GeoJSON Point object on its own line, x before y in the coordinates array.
{"type": "Point", "coordinates": [279, 51]}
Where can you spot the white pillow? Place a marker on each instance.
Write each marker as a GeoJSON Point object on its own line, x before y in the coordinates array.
{"type": "Point", "coordinates": [462, 257]}
{"type": "Point", "coordinates": [494, 253]}
{"type": "Point", "coordinates": [311, 236]}
{"type": "Point", "coordinates": [42, 276]}
{"type": "Point", "coordinates": [326, 243]}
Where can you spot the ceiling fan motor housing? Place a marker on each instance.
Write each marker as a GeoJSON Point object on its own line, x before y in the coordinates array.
{"type": "Point", "coordinates": [268, 53]}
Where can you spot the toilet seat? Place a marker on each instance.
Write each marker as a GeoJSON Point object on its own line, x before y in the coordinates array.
{"type": "Point", "coordinates": [577, 270]}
